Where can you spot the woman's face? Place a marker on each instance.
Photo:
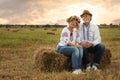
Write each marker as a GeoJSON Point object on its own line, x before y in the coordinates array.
{"type": "Point", "coordinates": [86, 18]}
{"type": "Point", "coordinates": [73, 24]}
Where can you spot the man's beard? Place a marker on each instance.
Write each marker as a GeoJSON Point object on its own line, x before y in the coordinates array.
{"type": "Point", "coordinates": [86, 20]}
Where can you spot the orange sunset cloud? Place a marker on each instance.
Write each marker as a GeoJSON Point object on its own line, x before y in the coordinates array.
{"type": "Point", "coordinates": [56, 11]}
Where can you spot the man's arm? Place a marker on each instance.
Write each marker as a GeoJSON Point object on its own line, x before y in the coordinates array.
{"type": "Point", "coordinates": [97, 37]}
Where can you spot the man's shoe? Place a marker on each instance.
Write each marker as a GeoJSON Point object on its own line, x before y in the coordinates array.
{"type": "Point", "coordinates": [88, 68]}
{"type": "Point", "coordinates": [94, 68]}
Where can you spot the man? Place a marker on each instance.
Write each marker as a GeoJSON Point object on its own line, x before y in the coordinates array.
{"type": "Point", "coordinates": [91, 41]}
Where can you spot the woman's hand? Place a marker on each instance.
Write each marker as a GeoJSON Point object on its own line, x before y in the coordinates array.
{"type": "Point", "coordinates": [78, 46]}
{"type": "Point", "coordinates": [75, 45]}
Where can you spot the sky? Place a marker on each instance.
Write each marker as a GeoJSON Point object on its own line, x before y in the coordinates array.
{"type": "Point", "coordinates": [57, 11]}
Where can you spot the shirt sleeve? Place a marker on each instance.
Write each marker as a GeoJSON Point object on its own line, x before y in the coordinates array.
{"type": "Point", "coordinates": [97, 37]}
{"type": "Point", "coordinates": [64, 37]}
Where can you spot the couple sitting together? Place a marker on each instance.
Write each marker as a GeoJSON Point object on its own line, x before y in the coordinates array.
{"type": "Point", "coordinates": [78, 40]}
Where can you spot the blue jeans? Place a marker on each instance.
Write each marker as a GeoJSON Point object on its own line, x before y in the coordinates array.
{"type": "Point", "coordinates": [73, 52]}
{"type": "Point", "coordinates": [97, 50]}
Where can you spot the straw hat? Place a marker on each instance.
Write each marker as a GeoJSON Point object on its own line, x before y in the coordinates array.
{"type": "Point", "coordinates": [73, 18]}
{"type": "Point", "coordinates": [85, 12]}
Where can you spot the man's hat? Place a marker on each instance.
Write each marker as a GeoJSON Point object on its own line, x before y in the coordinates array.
{"type": "Point", "coordinates": [85, 12]}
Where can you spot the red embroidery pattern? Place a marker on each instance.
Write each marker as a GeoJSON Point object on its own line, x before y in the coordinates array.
{"type": "Point", "coordinates": [65, 34]}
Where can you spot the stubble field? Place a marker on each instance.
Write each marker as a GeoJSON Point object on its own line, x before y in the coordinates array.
{"type": "Point", "coordinates": [18, 46]}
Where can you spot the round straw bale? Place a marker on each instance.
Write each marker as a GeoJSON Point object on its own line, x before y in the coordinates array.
{"type": "Point", "coordinates": [48, 60]}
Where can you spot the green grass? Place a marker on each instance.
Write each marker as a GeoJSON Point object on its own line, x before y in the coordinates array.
{"type": "Point", "coordinates": [111, 39]}
{"type": "Point", "coordinates": [26, 37]}
{"type": "Point", "coordinates": [18, 48]}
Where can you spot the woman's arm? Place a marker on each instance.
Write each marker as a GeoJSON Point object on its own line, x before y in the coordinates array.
{"type": "Point", "coordinates": [75, 45]}
{"type": "Point", "coordinates": [64, 37]}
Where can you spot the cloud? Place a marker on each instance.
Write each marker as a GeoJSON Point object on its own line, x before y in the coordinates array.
{"type": "Point", "coordinates": [116, 21]}
{"type": "Point", "coordinates": [19, 11]}
{"type": "Point", "coordinates": [56, 11]}
{"type": "Point", "coordinates": [3, 21]}
{"type": "Point", "coordinates": [62, 21]}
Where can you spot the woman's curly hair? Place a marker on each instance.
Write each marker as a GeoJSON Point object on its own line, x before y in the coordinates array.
{"type": "Point", "coordinates": [71, 18]}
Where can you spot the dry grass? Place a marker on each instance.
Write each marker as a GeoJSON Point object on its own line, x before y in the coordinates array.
{"type": "Point", "coordinates": [21, 67]}
{"type": "Point", "coordinates": [17, 62]}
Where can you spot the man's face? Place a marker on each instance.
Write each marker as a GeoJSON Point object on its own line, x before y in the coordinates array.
{"type": "Point", "coordinates": [86, 18]}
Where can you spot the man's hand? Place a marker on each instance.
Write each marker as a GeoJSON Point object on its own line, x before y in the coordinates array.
{"type": "Point", "coordinates": [89, 44]}
{"type": "Point", "coordinates": [86, 44]}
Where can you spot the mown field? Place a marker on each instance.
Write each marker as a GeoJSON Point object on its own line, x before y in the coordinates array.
{"type": "Point", "coordinates": [18, 46]}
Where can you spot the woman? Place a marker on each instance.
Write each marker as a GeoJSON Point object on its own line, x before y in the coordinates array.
{"type": "Point", "coordinates": [68, 44]}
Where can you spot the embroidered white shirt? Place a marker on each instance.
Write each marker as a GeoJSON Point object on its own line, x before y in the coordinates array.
{"type": "Point", "coordinates": [66, 37]}
{"type": "Point", "coordinates": [93, 34]}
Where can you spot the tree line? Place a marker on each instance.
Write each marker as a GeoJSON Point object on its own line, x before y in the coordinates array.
{"type": "Point", "coordinates": [52, 26]}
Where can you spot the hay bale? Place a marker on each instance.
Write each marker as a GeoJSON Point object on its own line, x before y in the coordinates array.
{"type": "Point", "coordinates": [15, 30]}
{"type": "Point", "coordinates": [31, 29]}
{"type": "Point", "coordinates": [54, 29]}
{"type": "Point", "coordinates": [45, 28]}
{"type": "Point", "coordinates": [8, 29]}
{"type": "Point", "coordinates": [50, 33]}
{"type": "Point", "coordinates": [106, 58]}
{"type": "Point", "coordinates": [48, 60]}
